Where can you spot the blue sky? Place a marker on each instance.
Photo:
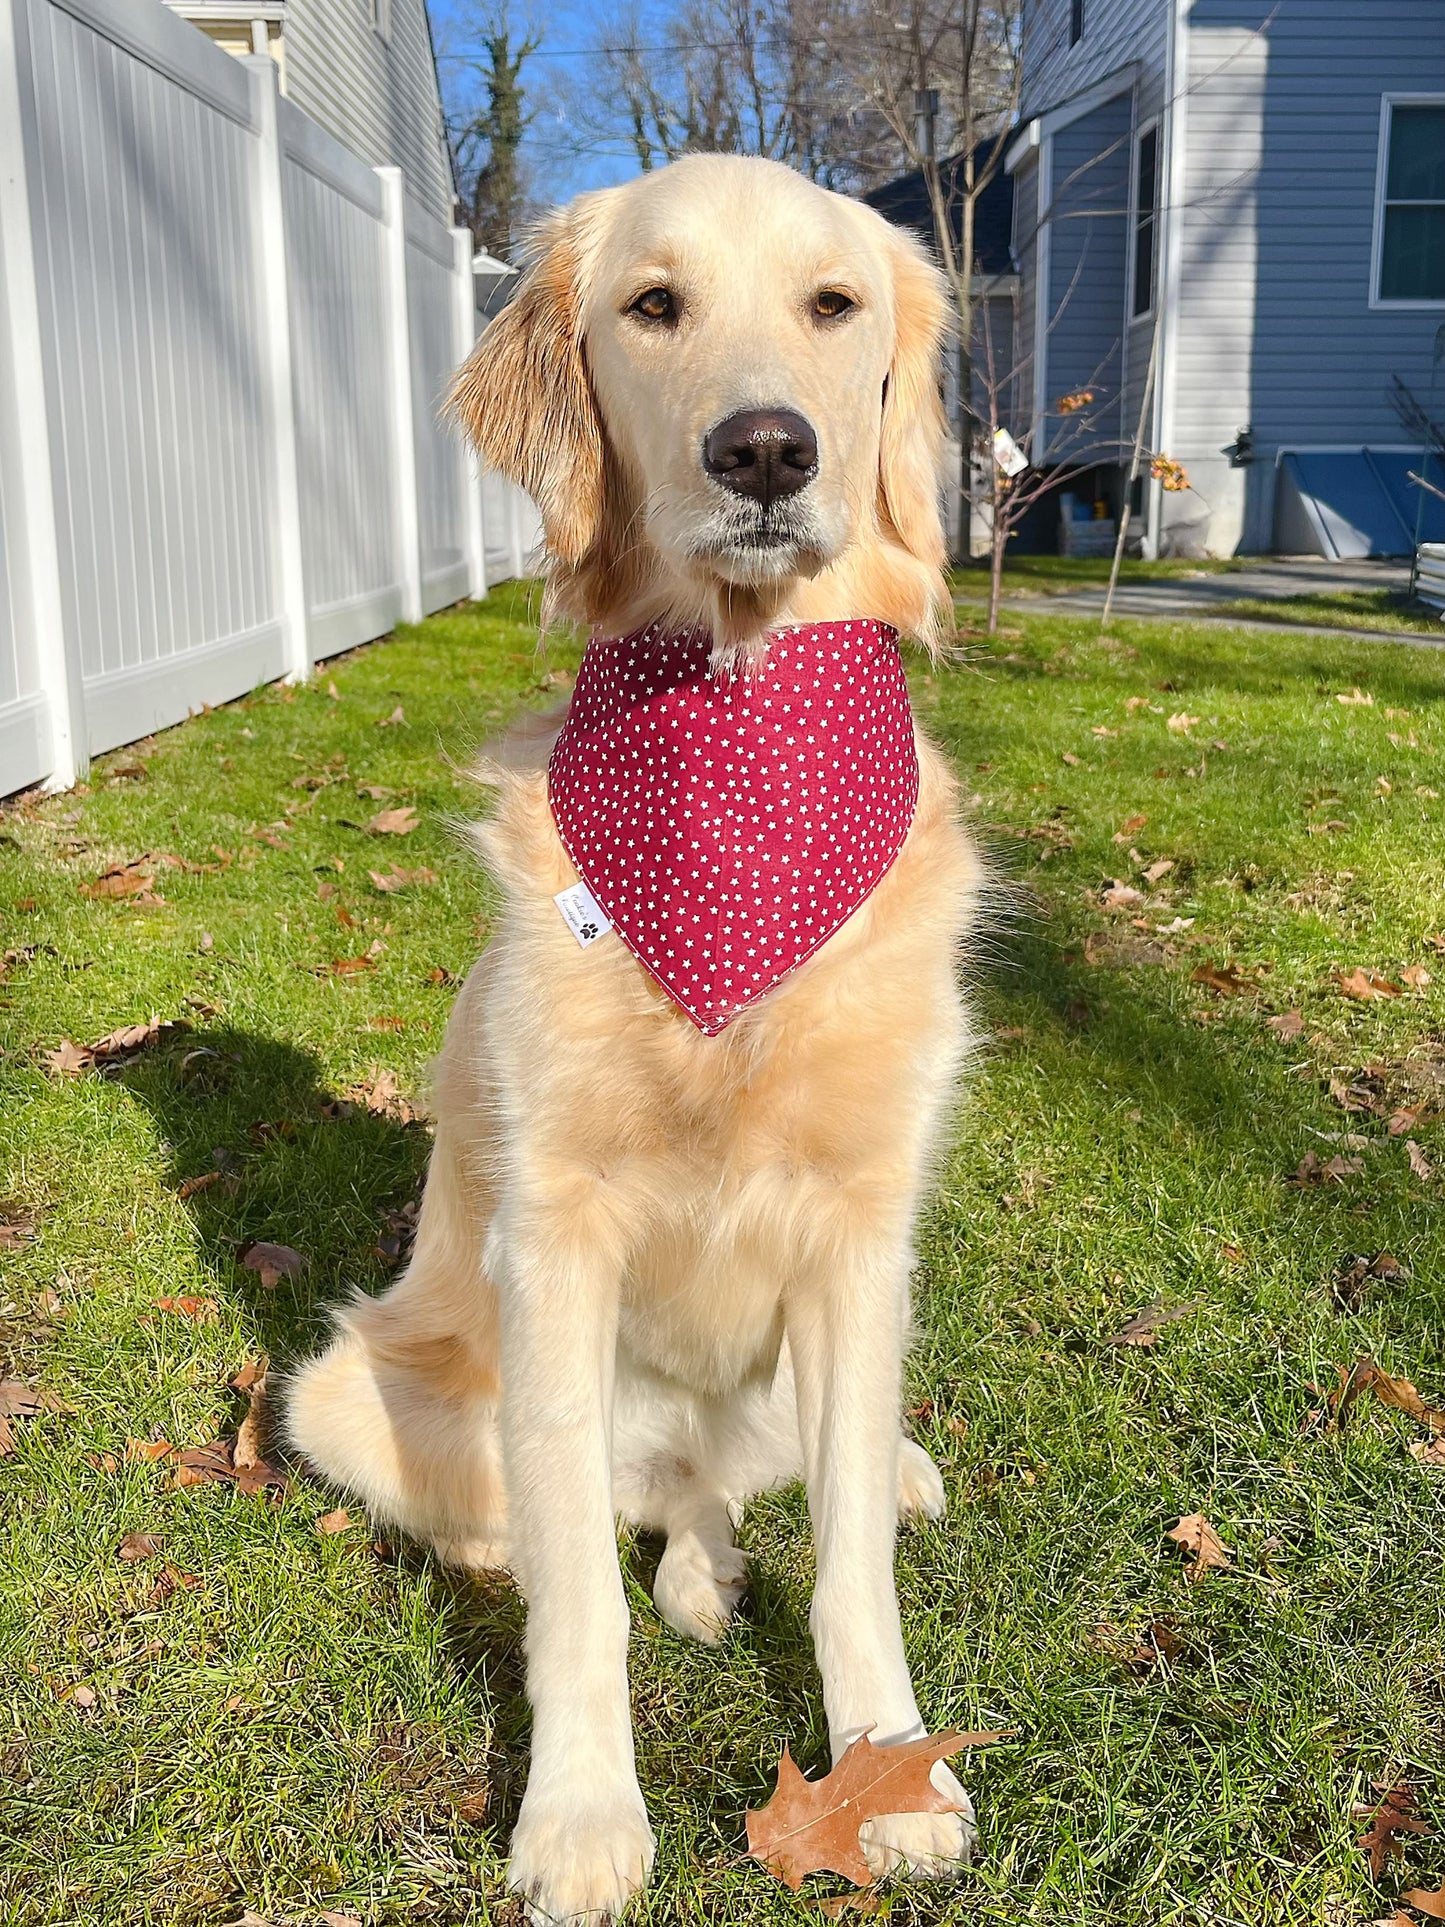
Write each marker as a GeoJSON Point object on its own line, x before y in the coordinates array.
{"type": "Point", "coordinates": [567, 28]}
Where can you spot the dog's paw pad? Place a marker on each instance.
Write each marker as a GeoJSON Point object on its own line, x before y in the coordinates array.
{"type": "Point", "coordinates": [920, 1484]}
{"type": "Point", "coordinates": [698, 1587]}
{"type": "Point", "coordinates": [576, 1861]}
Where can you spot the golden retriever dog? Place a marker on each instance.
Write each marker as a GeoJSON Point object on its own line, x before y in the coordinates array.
{"type": "Point", "coordinates": [659, 1270]}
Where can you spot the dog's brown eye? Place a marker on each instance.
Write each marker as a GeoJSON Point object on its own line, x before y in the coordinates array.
{"type": "Point", "coordinates": [829, 303]}
{"type": "Point", "coordinates": [656, 304]}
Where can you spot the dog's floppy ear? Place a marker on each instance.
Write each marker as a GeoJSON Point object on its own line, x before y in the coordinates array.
{"type": "Point", "coordinates": [525, 399]}
{"type": "Point", "coordinates": [911, 444]}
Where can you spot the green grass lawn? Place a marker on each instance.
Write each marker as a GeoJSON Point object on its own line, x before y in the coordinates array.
{"type": "Point", "coordinates": [1356, 609]}
{"type": "Point", "coordinates": [1345, 609]}
{"type": "Point", "coordinates": [296, 1721]}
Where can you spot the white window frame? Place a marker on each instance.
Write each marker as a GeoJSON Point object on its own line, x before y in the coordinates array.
{"type": "Point", "coordinates": [1145, 127]}
{"type": "Point", "coordinates": [1388, 104]}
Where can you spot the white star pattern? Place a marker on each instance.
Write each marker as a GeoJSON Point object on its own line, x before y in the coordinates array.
{"type": "Point", "coordinates": [661, 841]}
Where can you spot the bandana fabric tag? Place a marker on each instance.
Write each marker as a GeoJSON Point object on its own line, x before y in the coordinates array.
{"type": "Point", "coordinates": [582, 914]}
{"type": "Point", "coordinates": [728, 825]}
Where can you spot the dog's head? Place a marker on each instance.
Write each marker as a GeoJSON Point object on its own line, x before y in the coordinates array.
{"type": "Point", "coordinates": [719, 383]}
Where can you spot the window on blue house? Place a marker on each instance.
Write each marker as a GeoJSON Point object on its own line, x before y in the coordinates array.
{"type": "Point", "coordinates": [1410, 219]}
{"type": "Point", "coordinates": [1146, 220]}
{"type": "Point", "coordinates": [1076, 22]}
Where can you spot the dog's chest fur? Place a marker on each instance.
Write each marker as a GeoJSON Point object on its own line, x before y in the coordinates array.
{"type": "Point", "coordinates": [720, 1169]}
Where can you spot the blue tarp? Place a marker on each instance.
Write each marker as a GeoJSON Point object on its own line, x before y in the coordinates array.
{"type": "Point", "coordinates": [1360, 501]}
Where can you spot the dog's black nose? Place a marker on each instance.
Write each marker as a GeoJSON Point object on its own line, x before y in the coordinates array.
{"type": "Point", "coordinates": [762, 453]}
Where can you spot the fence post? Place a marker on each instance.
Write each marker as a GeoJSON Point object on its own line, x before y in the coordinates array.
{"type": "Point", "coordinates": [471, 476]}
{"type": "Point", "coordinates": [28, 458]}
{"type": "Point", "coordinates": [407, 500]}
{"type": "Point", "coordinates": [275, 317]}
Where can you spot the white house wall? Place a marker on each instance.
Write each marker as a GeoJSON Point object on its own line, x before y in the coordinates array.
{"type": "Point", "coordinates": [379, 96]}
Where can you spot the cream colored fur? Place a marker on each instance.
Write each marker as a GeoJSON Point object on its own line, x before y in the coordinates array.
{"type": "Point", "coordinates": [657, 1272]}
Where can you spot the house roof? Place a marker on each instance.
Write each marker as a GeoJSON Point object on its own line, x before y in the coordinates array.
{"type": "Point", "coordinates": [904, 201]}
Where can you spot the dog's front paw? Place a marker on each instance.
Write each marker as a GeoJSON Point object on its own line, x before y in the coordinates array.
{"type": "Point", "coordinates": [922, 1846]}
{"type": "Point", "coordinates": [920, 1483]}
{"type": "Point", "coordinates": [580, 1857]}
{"type": "Point", "coordinates": [698, 1586]}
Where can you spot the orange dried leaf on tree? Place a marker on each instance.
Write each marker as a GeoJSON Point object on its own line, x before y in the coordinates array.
{"type": "Point", "coordinates": [811, 1826]}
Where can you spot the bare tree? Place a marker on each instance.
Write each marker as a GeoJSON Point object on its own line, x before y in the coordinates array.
{"type": "Point", "coordinates": [486, 66]}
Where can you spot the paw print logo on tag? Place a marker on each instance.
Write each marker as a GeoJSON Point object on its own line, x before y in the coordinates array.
{"type": "Point", "coordinates": [582, 914]}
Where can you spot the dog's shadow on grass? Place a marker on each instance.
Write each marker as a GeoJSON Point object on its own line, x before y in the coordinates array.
{"type": "Point", "coordinates": [261, 1147]}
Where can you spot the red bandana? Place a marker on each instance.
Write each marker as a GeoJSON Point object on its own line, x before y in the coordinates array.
{"type": "Point", "coordinates": [728, 825]}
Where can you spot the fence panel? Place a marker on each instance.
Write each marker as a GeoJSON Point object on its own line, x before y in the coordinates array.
{"type": "Point", "coordinates": [223, 343]}
{"type": "Point", "coordinates": [336, 272]}
{"type": "Point", "coordinates": [146, 266]}
{"type": "Point", "coordinates": [440, 471]}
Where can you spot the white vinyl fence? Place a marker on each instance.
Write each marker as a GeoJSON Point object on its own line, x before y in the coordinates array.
{"type": "Point", "coordinates": [223, 341]}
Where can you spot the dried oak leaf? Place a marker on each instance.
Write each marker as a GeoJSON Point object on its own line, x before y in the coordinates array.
{"type": "Point", "coordinates": [1365, 986]}
{"type": "Point", "coordinates": [1416, 976]}
{"type": "Point", "coordinates": [1207, 1551]}
{"type": "Point", "coordinates": [394, 879]}
{"type": "Point", "coordinates": [140, 1545]}
{"type": "Point", "coordinates": [1432, 1905]}
{"type": "Point", "coordinates": [338, 1521]}
{"type": "Point", "coordinates": [811, 1826]}
{"type": "Point", "coordinates": [1428, 1451]}
{"type": "Point", "coordinates": [400, 822]}
{"type": "Point", "coordinates": [1419, 1163]}
{"type": "Point", "coordinates": [1288, 1025]}
{"type": "Point", "coordinates": [271, 1262]}
{"type": "Point", "coordinates": [205, 1311]}
{"type": "Point", "coordinates": [15, 1231]}
{"type": "Point", "coordinates": [18, 1400]}
{"type": "Point", "coordinates": [1143, 1328]}
{"type": "Point", "coordinates": [1222, 978]}
{"type": "Point", "coordinates": [203, 1465]}
{"type": "Point", "coordinates": [1335, 1170]}
{"type": "Point", "coordinates": [1393, 1816]}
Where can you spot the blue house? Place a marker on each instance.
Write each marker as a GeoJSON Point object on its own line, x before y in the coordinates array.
{"type": "Point", "coordinates": [1250, 194]}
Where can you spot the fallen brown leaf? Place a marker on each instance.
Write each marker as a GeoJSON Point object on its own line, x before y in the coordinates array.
{"type": "Point", "coordinates": [1288, 1025]}
{"type": "Point", "coordinates": [1365, 986]}
{"type": "Point", "coordinates": [1207, 1551]}
{"type": "Point", "coordinates": [1419, 1163]}
{"type": "Point", "coordinates": [1428, 1451]}
{"type": "Point", "coordinates": [252, 1373]}
{"type": "Point", "coordinates": [202, 1465]}
{"type": "Point", "coordinates": [1355, 698]}
{"type": "Point", "coordinates": [1432, 1904]}
{"type": "Point", "coordinates": [1073, 761]}
{"type": "Point", "coordinates": [399, 822]}
{"type": "Point", "coordinates": [1131, 826]}
{"type": "Point", "coordinates": [811, 1826]}
{"type": "Point", "coordinates": [382, 1096]}
{"type": "Point", "coordinates": [1335, 1170]}
{"type": "Point", "coordinates": [1143, 1328]}
{"type": "Point", "coordinates": [1416, 976]}
{"type": "Point", "coordinates": [1222, 978]}
{"type": "Point", "coordinates": [338, 1521]}
{"type": "Point", "coordinates": [148, 1451]}
{"type": "Point", "coordinates": [1156, 871]}
{"type": "Point", "coordinates": [1180, 724]}
{"type": "Point", "coordinates": [18, 1400]}
{"type": "Point", "coordinates": [1393, 1816]}
{"type": "Point", "coordinates": [394, 879]}
{"type": "Point", "coordinates": [393, 721]}
{"type": "Point", "coordinates": [15, 1231]}
{"type": "Point", "coordinates": [205, 1311]}
{"type": "Point", "coordinates": [1119, 895]}
{"type": "Point", "coordinates": [271, 1262]}
{"type": "Point", "coordinates": [140, 1545]}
